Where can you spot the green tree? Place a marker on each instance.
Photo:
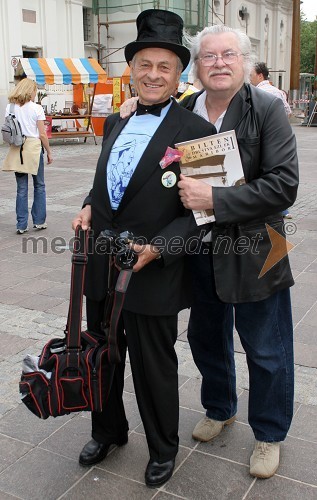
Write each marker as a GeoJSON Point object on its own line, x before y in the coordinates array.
{"type": "Point", "coordinates": [307, 45]}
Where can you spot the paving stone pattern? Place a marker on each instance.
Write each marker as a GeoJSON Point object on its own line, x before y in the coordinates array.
{"type": "Point", "coordinates": [39, 459]}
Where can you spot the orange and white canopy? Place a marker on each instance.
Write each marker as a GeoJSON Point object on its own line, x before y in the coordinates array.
{"type": "Point", "coordinates": [62, 71]}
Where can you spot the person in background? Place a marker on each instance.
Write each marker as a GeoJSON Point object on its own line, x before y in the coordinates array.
{"type": "Point", "coordinates": [259, 77]}
{"type": "Point", "coordinates": [31, 118]}
{"type": "Point", "coordinates": [230, 284]}
{"type": "Point", "coordinates": [145, 202]}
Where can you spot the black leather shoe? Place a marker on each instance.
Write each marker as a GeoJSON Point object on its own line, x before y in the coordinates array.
{"type": "Point", "coordinates": [93, 452]}
{"type": "Point", "coordinates": [157, 474]}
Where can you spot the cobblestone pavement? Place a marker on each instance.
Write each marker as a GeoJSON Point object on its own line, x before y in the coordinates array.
{"type": "Point", "coordinates": [38, 459]}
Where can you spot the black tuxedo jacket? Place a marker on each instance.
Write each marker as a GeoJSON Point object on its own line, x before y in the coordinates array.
{"type": "Point", "coordinates": [152, 212]}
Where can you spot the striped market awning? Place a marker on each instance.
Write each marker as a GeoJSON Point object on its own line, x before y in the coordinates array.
{"type": "Point", "coordinates": [61, 71]}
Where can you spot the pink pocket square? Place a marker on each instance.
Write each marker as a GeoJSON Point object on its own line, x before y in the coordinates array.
{"type": "Point", "coordinates": [170, 156]}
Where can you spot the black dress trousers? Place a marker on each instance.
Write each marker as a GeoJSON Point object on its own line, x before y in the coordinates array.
{"type": "Point", "coordinates": [153, 359]}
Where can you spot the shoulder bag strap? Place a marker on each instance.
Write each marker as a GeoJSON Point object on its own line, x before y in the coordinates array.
{"type": "Point", "coordinates": [12, 113]}
{"type": "Point", "coordinates": [119, 296]}
{"type": "Point", "coordinates": [73, 328]}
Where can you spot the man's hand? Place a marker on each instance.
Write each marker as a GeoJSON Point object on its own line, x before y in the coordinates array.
{"type": "Point", "coordinates": [128, 107]}
{"type": "Point", "coordinates": [196, 195]}
{"type": "Point", "coordinates": [83, 219]}
{"type": "Point", "coordinates": [146, 253]}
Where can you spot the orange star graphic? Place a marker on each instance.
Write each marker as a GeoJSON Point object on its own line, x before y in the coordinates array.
{"type": "Point", "coordinates": [280, 248]}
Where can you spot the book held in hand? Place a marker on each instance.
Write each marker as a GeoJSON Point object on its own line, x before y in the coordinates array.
{"type": "Point", "coordinates": [215, 160]}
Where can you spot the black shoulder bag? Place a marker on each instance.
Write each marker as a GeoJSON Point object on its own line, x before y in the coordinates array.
{"type": "Point", "coordinates": [75, 373]}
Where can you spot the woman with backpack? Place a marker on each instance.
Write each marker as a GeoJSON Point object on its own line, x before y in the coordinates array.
{"type": "Point", "coordinates": [28, 158]}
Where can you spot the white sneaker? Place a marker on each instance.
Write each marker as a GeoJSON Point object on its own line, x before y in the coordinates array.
{"type": "Point", "coordinates": [22, 231]}
{"type": "Point", "coordinates": [265, 459]}
{"type": "Point", "coordinates": [40, 226]}
{"type": "Point", "coordinates": [208, 428]}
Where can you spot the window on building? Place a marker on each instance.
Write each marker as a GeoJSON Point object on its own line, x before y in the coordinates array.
{"type": "Point", "coordinates": [31, 52]}
{"type": "Point", "coordinates": [255, 48]}
{"type": "Point", "coordinates": [87, 21]}
{"type": "Point", "coordinates": [29, 16]}
{"type": "Point", "coordinates": [191, 11]}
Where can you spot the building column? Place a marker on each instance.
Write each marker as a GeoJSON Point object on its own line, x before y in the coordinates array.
{"type": "Point", "coordinates": [295, 59]}
{"type": "Point", "coordinates": [74, 27]}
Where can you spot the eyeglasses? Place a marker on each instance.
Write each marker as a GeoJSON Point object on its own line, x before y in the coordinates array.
{"type": "Point", "coordinates": [227, 57]}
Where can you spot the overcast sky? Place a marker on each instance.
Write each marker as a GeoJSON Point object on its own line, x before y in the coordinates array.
{"type": "Point", "coordinates": [309, 7]}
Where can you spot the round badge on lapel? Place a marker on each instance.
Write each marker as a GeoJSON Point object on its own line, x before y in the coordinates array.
{"type": "Point", "coordinates": [169, 179]}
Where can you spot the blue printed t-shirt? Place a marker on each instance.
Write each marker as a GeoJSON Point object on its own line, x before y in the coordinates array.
{"type": "Point", "coordinates": [127, 151]}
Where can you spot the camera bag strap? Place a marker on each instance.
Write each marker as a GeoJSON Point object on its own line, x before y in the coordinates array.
{"type": "Point", "coordinates": [118, 300]}
{"type": "Point", "coordinates": [73, 329]}
{"type": "Point", "coordinates": [117, 286]}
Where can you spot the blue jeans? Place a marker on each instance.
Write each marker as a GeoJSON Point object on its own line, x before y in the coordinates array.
{"type": "Point", "coordinates": [38, 210]}
{"type": "Point", "coordinates": [266, 333]}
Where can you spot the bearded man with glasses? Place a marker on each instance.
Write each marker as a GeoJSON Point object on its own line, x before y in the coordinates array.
{"type": "Point", "coordinates": [231, 284]}
{"type": "Point", "coordinates": [241, 277]}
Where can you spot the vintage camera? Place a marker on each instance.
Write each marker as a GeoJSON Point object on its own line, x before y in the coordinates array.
{"type": "Point", "coordinates": [118, 245]}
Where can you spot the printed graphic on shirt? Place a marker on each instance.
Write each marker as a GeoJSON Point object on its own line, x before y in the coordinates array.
{"type": "Point", "coordinates": [127, 151]}
{"type": "Point", "coordinates": [120, 171]}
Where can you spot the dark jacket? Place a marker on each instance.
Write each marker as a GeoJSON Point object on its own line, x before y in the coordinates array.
{"type": "Point", "coordinates": [152, 212]}
{"type": "Point", "coordinates": [241, 240]}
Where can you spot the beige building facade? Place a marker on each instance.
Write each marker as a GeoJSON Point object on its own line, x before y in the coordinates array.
{"type": "Point", "coordinates": [74, 28]}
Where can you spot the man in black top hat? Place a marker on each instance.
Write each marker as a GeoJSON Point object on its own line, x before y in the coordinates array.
{"type": "Point", "coordinates": [131, 191]}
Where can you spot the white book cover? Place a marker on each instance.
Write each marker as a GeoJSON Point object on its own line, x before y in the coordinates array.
{"type": "Point", "coordinates": [215, 160]}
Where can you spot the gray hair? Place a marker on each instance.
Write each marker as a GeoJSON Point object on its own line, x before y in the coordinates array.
{"type": "Point", "coordinates": [243, 42]}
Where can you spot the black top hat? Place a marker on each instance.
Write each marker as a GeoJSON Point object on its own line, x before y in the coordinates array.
{"type": "Point", "coordinates": [159, 28]}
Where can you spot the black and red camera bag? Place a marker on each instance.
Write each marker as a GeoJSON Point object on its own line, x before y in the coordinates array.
{"type": "Point", "coordinates": [74, 373]}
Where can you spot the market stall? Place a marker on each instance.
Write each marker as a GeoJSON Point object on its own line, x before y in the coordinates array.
{"type": "Point", "coordinates": [74, 119]}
